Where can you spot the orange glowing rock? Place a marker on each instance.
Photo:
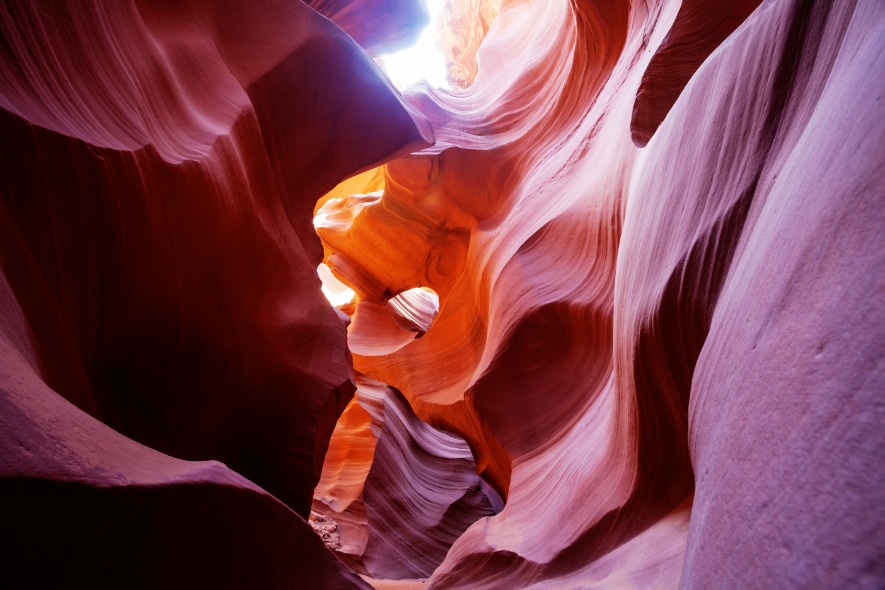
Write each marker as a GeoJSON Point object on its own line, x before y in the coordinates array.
{"type": "Point", "coordinates": [379, 26]}
{"type": "Point", "coordinates": [463, 28]}
{"type": "Point", "coordinates": [160, 166]}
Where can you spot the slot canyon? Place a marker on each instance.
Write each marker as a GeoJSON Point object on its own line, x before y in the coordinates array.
{"type": "Point", "coordinates": [607, 312]}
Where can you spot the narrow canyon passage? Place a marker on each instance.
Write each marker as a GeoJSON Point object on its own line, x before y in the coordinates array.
{"type": "Point", "coordinates": [601, 309]}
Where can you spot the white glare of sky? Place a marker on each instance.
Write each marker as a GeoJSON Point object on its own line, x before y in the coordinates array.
{"type": "Point", "coordinates": [335, 291]}
{"type": "Point", "coordinates": [423, 60]}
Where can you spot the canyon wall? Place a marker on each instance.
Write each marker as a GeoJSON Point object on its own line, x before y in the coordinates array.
{"type": "Point", "coordinates": [617, 215]}
{"type": "Point", "coordinates": [160, 166]}
{"type": "Point", "coordinates": [618, 297]}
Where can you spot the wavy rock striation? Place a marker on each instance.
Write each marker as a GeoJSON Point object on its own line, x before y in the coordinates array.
{"type": "Point", "coordinates": [617, 297]}
{"type": "Point", "coordinates": [462, 30]}
{"type": "Point", "coordinates": [591, 289]}
{"type": "Point", "coordinates": [159, 172]}
{"type": "Point", "coordinates": [700, 27]}
{"type": "Point", "coordinates": [399, 490]}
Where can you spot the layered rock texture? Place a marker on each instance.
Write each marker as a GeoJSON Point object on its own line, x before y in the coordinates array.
{"type": "Point", "coordinates": [386, 467]}
{"type": "Point", "coordinates": [612, 310]}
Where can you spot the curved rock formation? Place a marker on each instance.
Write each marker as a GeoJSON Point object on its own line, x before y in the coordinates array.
{"type": "Point", "coordinates": [379, 26]}
{"type": "Point", "coordinates": [567, 345]}
{"type": "Point", "coordinates": [463, 27]}
{"type": "Point", "coordinates": [398, 491]}
{"type": "Point", "coordinates": [83, 506]}
{"type": "Point", "coordinates": [165, 329]}
{"type": "Point", "coordinates": [700, 27]}
{"type": "Point", "coordinates": [159, 172]}
{"type": "Point", "coordinates": [627, 277]}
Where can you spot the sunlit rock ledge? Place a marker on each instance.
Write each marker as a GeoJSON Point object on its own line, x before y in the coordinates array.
{"type": "Point", "coordinates": [607, 314]}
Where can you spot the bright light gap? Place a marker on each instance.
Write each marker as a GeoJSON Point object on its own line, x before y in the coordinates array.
{"type": "Point", "coordinates": [423, 60]}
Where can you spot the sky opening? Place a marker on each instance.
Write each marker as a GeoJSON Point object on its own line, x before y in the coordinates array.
{"type": "Point", "coordinates": [423, 60]}
{"type": "Point", "coordinates": [335, 291]}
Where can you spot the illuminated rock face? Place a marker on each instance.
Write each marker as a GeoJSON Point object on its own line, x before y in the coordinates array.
{"type": "Point", "coordinates": [655, 234]}
{"type": "Point", "coordinates": [398, 490]}
{"type": "Point", "coordinates": [379, 26]}
{"type": "Point", "coordinates": [632, 218]}
{"type": "Point", "coordinates": [462, 32]}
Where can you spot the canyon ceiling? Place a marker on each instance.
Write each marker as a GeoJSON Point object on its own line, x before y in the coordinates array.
{"type": "Point", "coordinates": [617, 314]}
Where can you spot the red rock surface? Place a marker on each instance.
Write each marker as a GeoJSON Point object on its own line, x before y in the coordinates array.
{"type": "Point", "coordinates": [655, 234]}
{"type": "Point", "coordinates": [84, 506]}
{"type": "Point", "coordinates": [700, 27]}
{"type": "Point", "coordinates": [160, 165]}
